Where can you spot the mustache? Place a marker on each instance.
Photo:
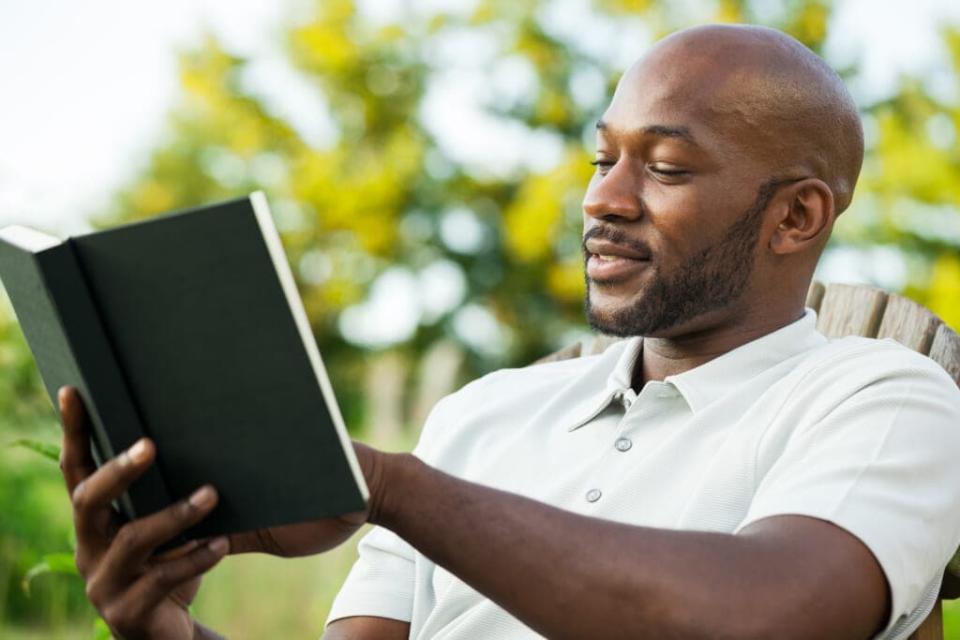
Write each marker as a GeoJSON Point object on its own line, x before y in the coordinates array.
{"type": "Point", "coordinates": [614, 235]}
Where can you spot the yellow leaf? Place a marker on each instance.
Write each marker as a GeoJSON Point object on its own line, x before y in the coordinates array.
{"type": "Point", "coordinates": [944, 292]}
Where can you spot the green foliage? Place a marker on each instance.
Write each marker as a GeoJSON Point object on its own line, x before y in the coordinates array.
{"type": "Point", "coordinates": [45, 449]}
{"type": "Point", "coordinates": [35, 526]}
{"type": "Point", "coordinates": [378, 194]}
{"type": "Point", "coordinates": [382, 192]}
{"type": "Point", "coordinates": [100, 630]}
{"type": "Point", "coordinates": [56, 563]}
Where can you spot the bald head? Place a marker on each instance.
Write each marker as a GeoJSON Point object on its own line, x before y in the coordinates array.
{"type": "Point", "coordinates": [777, 103]}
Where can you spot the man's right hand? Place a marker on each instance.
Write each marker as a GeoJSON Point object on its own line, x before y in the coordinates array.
{"type": "Point", "coordinates": [138, 594]}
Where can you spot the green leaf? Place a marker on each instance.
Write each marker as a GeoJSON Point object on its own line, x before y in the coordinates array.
{"type": "Point", "coordinates": [101, 631]}
{"type": "Point", "coordinates": [45, 449]}
{"type": "Point", "coordinates": [61, 563]}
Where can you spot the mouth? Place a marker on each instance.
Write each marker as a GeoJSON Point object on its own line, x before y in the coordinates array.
{"type": "Point", "coordinates": [610, 269]}
{"type": "Point", "coordinates": [609, 262]}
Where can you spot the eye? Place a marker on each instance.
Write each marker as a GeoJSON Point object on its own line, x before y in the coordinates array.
{"type": "Point", "coordinates": [603, 165]}
{"type": "Point", "coordinates": [667, 170]}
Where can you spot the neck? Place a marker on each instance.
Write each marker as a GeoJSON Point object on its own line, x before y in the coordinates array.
{"type": "Point", "coordinates": [706, 338]}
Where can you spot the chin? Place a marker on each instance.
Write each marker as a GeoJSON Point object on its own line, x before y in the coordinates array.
{"type": "Point", "coordinates": [614, 299]}
{"type": "Point", "coordinates": [613, 315]}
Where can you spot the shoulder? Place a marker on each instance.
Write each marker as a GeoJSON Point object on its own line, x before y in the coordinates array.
{"type": "Point", "coordinates": [864, 388]}
{"type": "Point", "coordinates": [854, 362]}
{"type": "Point", "coordinates": [850, 380]}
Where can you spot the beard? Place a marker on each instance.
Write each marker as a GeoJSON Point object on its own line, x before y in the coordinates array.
{"type": "Point", "coordinates": [711, 279]}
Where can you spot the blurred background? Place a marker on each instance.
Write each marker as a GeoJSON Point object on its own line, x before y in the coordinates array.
{"type": "Point", "coordinates": [425, 161]}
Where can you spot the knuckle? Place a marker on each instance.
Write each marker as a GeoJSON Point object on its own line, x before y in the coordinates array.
{"type": "Point", "coordinates": [198, 561]}
{"type": "Point", "coordinates": [116, 618]}
{"type": "Point", "coordinates": [79, 496]}
{"type": "Point", "coordinates": [129, 537]}
{"type": "Point", "coordinates": [92, 591]}
{"type": "Point", "coordinates": [161, 576]}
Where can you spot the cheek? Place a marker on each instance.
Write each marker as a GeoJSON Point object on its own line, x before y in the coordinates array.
{"type": "Point", "coordinates": [686, 219]}
{"type": "Point", "coordinates": [680, 221]}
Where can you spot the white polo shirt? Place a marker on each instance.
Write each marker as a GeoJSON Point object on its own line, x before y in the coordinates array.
{"type": "Point", "coordinates": [862, 433]}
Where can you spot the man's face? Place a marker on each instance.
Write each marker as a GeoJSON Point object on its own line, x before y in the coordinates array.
{"type": "Point", "coordinates": [672, 214]}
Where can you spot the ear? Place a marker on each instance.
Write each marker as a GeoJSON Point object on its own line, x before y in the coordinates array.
{"type": "Point", "coordinates": [806, 219]}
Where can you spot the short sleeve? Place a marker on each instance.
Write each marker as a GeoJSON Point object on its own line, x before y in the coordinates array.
{"type": "Point", "coordinates": [881, 459]}
{"type": "Point", "coordinates": [381, 582]}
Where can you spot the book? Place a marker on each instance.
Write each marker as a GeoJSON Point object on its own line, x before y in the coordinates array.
{"type": "Point", "coordinates": [187, 328]}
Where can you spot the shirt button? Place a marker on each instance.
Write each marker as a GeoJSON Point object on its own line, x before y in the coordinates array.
{"type": "Point", "coordinates": [593, 495]}
{"type": "Point", "coordinates": [623, 444]}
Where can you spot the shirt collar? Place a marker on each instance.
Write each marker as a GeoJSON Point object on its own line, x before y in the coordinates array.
{"type": "Point", "coordinates": [702, 385]}
{"type": "Point", "coordinates": [699, 386]}
{"type": "Point", "coordinates": [617, 362]}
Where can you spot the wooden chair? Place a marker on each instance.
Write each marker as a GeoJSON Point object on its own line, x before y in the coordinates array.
{"type": "Point", "coordinates": [848, 310]}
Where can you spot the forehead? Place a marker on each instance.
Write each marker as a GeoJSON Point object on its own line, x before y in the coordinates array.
{"type": "Point", "coordinates": [689, 91]}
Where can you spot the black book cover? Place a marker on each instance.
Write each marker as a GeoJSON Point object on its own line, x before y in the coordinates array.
{"type": "Point", "coordinates": [202, 330]}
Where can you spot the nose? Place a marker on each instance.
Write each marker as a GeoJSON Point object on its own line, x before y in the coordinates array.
{"type": "Point", "coordinates": [613, 196]}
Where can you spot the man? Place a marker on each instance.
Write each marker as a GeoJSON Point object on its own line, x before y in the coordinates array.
{"type": "Point", "coordinates": [731, 474]}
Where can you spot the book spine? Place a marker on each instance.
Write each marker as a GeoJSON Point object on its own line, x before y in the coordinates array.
{"type": "Point", "coordinates": [113, 415]}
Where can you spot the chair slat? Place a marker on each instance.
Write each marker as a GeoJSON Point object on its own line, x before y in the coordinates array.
{"type": "Point", "coordinates": [950, 587]}
{"type": "Point", "coordinates": [945, 351]}
{"type": "Point", "coordinates": [815, 295]}
{"type": "Point", "coordinates": [849, 310]}
{"type": "Point", "coordinates": [932, 627]}
{"type": "Point", "coordinates": [908, 323]}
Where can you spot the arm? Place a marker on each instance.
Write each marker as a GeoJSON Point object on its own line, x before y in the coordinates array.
{"type": "Point", "coordinates": [564, 575]}
{"type": "Point", "coordinates": [370, 627]}
{"type": "Point", "coordinates": [567, 575]}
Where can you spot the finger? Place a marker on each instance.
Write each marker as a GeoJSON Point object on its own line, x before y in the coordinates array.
{"type": "Point", "coordinates": [165, 577]}
{"type": "Point", "coordinates": [136, 541]}
{"type": "Point", "coordinates": [180, 551]}
{"type": "Point", "coordinates": [76, 462]}
{"type": "Point", "coordinates": [92, 498]}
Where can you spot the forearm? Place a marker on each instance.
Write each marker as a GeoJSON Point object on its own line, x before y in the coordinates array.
{"type": "Point", "coordinates": [567, 575]}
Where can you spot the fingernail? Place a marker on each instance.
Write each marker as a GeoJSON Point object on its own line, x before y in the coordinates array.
{"type": "Point", "coordinates": [63, 394]}
{"type": "Point", "coordinates": [202, 497]}
{"type": "Point", "coordinates": [219, 545]}
{"type": "Point", "coordinates": [138, 452]}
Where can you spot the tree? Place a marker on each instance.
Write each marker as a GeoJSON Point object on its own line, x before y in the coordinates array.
{"type": "Point", "coordinates": [386, 202]}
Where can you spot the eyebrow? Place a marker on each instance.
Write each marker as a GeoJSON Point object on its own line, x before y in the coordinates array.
{"type": "Point", "coordinates": [660, 130]}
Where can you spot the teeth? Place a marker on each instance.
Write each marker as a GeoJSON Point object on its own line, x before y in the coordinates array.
{"type": "Point", "coordinates": [605, 258]}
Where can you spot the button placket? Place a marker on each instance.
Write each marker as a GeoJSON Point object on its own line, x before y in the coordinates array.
{"type": "Point", "coordinates": [593, 493]}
